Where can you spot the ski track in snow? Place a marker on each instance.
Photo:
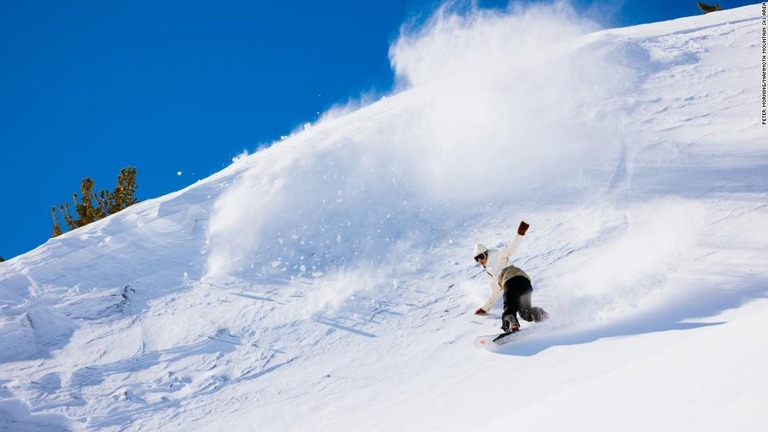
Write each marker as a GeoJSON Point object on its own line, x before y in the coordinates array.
{"type": "Point", "coordinates": [227, 304]}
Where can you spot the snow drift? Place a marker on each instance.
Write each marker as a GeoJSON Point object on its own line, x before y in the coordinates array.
{"type": "Point", "coordinates": [329, 276]}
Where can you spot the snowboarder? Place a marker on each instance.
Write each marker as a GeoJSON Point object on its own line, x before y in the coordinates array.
{"type": "Point", "coordinates": [509, 281]}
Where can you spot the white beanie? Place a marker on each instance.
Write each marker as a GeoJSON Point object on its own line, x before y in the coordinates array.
{"type": "Point", "coordinates": [480, 248]}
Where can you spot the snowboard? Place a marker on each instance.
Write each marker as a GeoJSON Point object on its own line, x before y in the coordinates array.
{"type": "Point", "coordinates": [496, 340]}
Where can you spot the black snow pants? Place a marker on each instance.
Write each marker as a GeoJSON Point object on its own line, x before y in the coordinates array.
{"type": "Point", "coordinates": [517, 299]}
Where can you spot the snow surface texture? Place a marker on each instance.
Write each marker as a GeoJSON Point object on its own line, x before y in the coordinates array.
{"type": "Point", "coordinates": [326, 282]}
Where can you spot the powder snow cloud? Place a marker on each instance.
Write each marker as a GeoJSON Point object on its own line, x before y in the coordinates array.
{"type": "Point", "coordinates": [495, 107]}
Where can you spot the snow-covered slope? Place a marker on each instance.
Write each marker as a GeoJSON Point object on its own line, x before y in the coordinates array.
{"type": "Point", "coordinates": [327, 282]}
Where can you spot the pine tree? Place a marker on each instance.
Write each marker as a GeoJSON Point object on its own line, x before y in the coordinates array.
{"type": "Point", "coordinates": [2, 259]}
{"type": "Point", "coordinates": [56, 227]}
{"type": "Point", "coordinates": [124, 194]}
{"type": "Point", "coordinates": [107, 202]}
{"type": "Point", "coordinates": [708, 8]}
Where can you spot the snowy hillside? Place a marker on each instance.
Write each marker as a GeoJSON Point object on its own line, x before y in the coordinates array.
{"type": "Point", "coordinates": [326, 283]}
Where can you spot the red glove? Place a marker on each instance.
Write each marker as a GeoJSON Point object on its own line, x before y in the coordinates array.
{"type": "Point", "coordinates": [480, 311]}
{"type": "Point", "coordinates": [522, 228]}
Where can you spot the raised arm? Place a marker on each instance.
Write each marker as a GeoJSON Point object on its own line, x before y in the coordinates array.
{"type": "Point", "coordinates": [510, 249]}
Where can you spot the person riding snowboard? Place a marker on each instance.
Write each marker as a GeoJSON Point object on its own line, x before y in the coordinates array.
{"type": "Point", "coordinates": [509, 281]}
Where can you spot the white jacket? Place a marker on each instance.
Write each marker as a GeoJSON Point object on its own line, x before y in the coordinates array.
{"type": "Point", "coordinates": [499, 270]}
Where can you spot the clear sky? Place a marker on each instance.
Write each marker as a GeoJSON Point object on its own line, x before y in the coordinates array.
{"type": "Point", "coordinates": [182, 86]}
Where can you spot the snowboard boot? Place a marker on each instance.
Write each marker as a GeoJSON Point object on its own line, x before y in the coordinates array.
{"type": "Point", "coordinates": [510, 325]}
{"type": "Point", "coordinates": [539, 314]}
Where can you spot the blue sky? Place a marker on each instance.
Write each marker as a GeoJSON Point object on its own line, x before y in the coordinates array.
{"type": "Point", "coordinates": [88, 87]}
